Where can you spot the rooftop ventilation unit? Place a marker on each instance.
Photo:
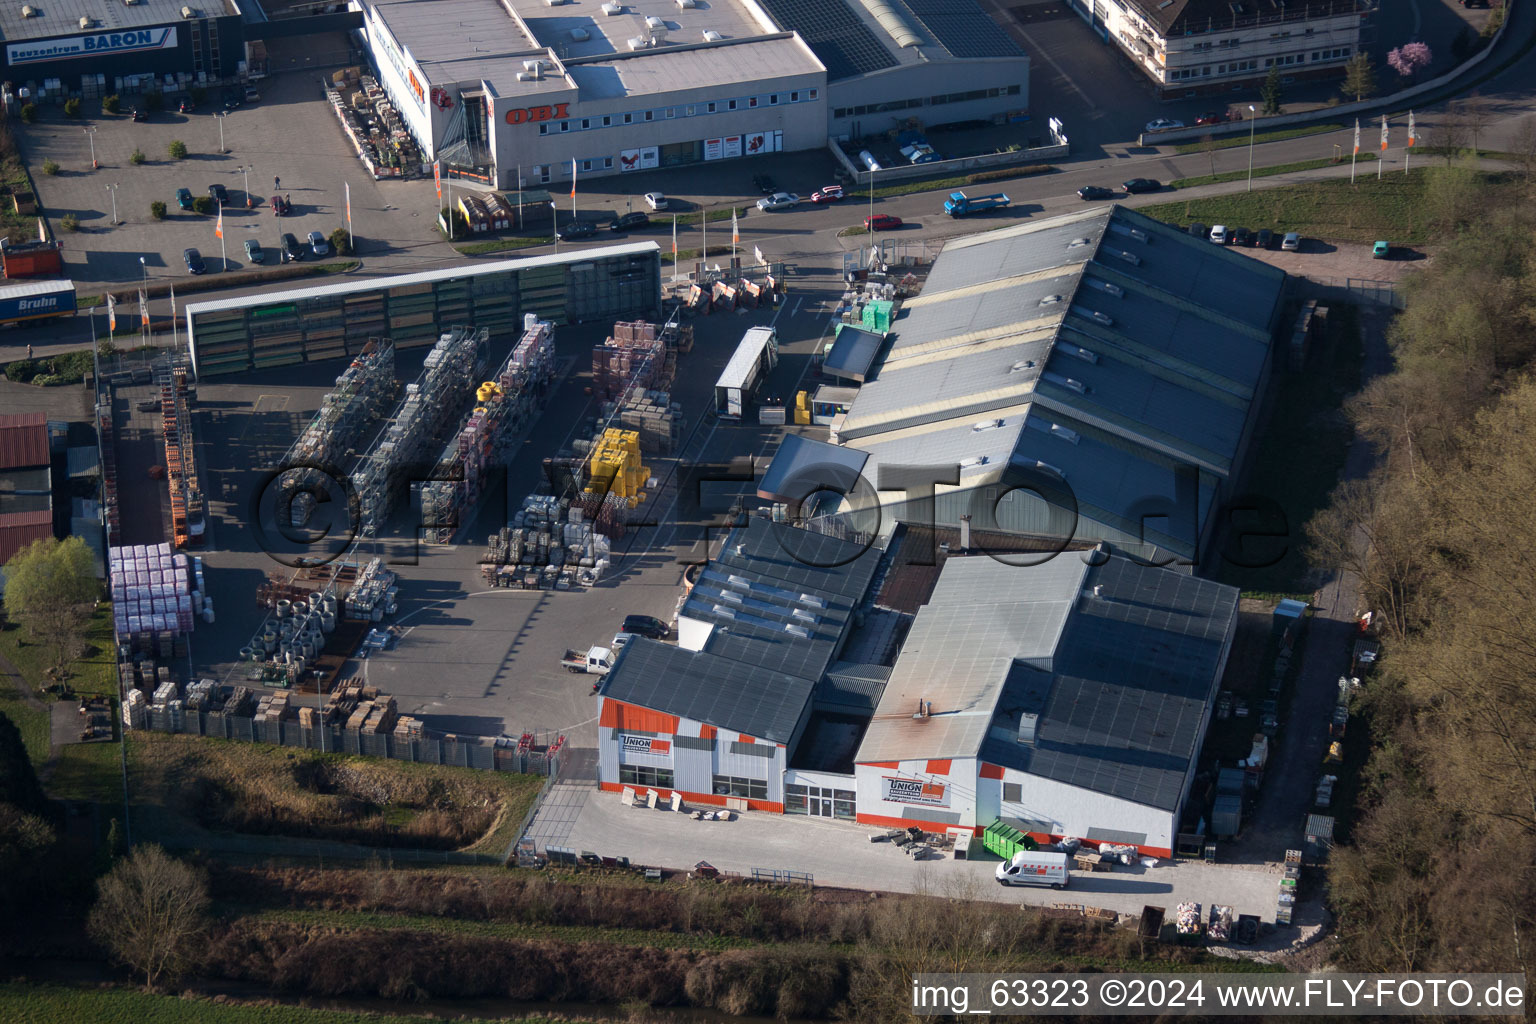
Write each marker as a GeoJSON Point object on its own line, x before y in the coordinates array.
{"type": "Point", "coordinates": [686, 5]}
{"type": "Point", "coordinates": [29, 11]}
{"type": "Point", "coordinates": [654, 23]}
{"type": "Point", "coordinates": [805, 616]}
{"type": "Point", "coordinates": [1022, 364]}
{"type": "Point", "coordinates": [1129, 257]}
{"type": "Point", "coordinates": [533, 68]}
{"type": "Point", "coordinates": [1078, 351]}
{"type": "Point", "coordinates": [1107, 287]}
{"type": "Point", "coordinates": [973, 461]}
{"type": "Point", "coordinates": [739, 581]}
{"type": "Point", "coordinates": [1077, 243]}
{"type": "Point", "coordinates": [1029, 722]}
{"type": "Point", "coordinates": [641, 43]}
{"type": "Point", "coordinates": [711, 36]}
{"type": "Point", "coordinates": [187, 12]}
{"type": "Point", "coordinates": [612, 9]}
{"type": "Point", "coordinates": [1100, 318]}
{"type": "Point", "coordinates": [1069, 436]}
{"type": "Point", "coordinates": [1050, 300]}
{"type": "Point", "coordinates": [1047, 467]}
{"type": "Point", "coordinates": [987, 425]}
{"type": "Point", "coordinates": [811, 600]}
{"type": "Point", "coordinates": [799, 631]}
{"type": "Point", "coordinates": [1067, 382]}
{"type": "Point", "coordinates": [85, 21]}
{"type": "Point", "coordinates": [725, 613]}
{"type": "Point", "coordinates": [731, 596]}
{"type": "Point", "coordinates": [580, 35]}
{"type": "Point", "coordinates": [1138, 234]}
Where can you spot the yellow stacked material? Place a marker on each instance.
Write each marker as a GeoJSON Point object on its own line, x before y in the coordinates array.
{"type": "Point", "coordinates": [803, 408]}
{"type": "Point", "coordinates": [615, 466]}
{"type": "Point", "coordinates": [487, 390]}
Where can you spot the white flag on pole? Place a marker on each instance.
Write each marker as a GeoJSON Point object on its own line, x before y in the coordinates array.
{"type": "Point", "coordinates": [1413, 135]}
{"type": "Point", "coordinates": [111, 313]}
{"type": "Point", "coordinates": [1357, 136]}
{"type": "Point", "coordinates": [1383, 133]}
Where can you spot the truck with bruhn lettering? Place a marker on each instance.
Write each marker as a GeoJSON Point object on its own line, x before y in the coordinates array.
{"type": "Point", "coordinates": [595, 661]}
{"type": "Point", "coordinates": [959, 204]}
{"type": "Point", "coordinates": [36, 302]}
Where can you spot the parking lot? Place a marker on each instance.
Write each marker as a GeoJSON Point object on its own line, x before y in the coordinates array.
{"type": "Point", "coordinates": [289, 134]}
{"type": "Point", "coordinates": [472, 659]}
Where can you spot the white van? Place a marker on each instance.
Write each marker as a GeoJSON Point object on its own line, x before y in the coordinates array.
{"type": "Point", "coordinates": [1042, 867]}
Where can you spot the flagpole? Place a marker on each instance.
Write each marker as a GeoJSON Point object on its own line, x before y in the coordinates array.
{"type": "Point", "coordinates": [223, 251]}
{"type": "Point", "coordinates": [573, 188]}
{"type": "Point", "coordinates": [1355, 153]}
{"type": "Point", "coordinates": [1383, 147]}
{"type": "Point", "coordinates": [175, 340]}
{"type": "Point", "coordinates": [1411, 140]}
{"type": "Point", "coordinates": [519, 197]}
{"type": "Point", "coordinates": [674, 247]}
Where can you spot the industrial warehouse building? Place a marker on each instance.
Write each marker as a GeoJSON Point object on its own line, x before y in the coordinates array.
{"type": "Point", "coordinates": [517, 91]}
{"type": "Point", "coordinates": [98, 48]}
{"type": "Point", "coordinates": [1094, 377]}
{"type": "Point", "coordinates": [1069, 697]}
{"type": "Point", "coordinates": [305, 325]}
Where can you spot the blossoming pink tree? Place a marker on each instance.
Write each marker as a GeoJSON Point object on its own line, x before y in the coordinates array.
{"type": "Point", "coordinates": [1410, 58]}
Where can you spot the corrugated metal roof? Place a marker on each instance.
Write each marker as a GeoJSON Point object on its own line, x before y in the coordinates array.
{"type": "Point", "coordinates": [84, 460]}
{"type": "Point", "coordinates": [193, 309]}
{"type": "Point", "coordinates": [18, 529]}
{"type": "Point", "coordinates": [803, 465]}
{"type": "Point", "coordinates": [23, 440]}
{"type": "Point", "coordinates": [1119, 680]}
{"type": "Point", "coordinates": [854, 686]}
{"type": "Point", "coordinates": [852, 353]}
{"type": "Point", "coordinates": [708, 688]}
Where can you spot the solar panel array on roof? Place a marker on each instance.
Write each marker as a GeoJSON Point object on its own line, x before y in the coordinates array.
{"type": "Point", "coordinates": [963, 28]}
{"type": "Point", "coordinates": [839, 39]}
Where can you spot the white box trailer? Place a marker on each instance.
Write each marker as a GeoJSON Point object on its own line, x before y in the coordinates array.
{"type": "Point", "coordinates": [751, 364]}
{"type": "Point", "coordinates": [1036, 867]}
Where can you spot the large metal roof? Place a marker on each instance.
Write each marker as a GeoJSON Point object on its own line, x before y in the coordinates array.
{"type": "Point", "coordinates": [853, 351]}
{"type": "Point", "coordinates": [23, 440]}
{"type": "Point", "coordinates": [1119, 679]}
{"type": "Point", "coordinates": [777, 601]}
{"type": "Point", "coordinates": [803, 465]}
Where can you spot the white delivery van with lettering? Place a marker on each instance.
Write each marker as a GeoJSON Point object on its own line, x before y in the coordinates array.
{"type": "Point", "coordinates": [1041, 867]}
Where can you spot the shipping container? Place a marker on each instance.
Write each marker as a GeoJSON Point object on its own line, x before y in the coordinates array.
{"type": "Point", "coordinates": [32, 259]}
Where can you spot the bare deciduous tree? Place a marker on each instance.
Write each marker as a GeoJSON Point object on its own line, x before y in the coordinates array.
{"type": "Point", "coordinates": [151, 912]}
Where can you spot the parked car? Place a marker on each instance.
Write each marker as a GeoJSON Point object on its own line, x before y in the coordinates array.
{"type": "Point", "coordinates": [646, 625]}
{"type": "Point", "coordinates": [281, 206]}
{"type": "Point", "coordinates": [1382, 250]}
{"type": "Point", "coordinates": [655, 200]}
{"type": "Point", "coordinates": [1291, 242]}
{"type": "Point", "coordinates": [1136, 185]}
{"type": "Point", "coordinates": [827, 194]}
{"type": "Point", "coordinates": [194, 261]}
{"type": "Point", "coordinates": [1265, 239]}
{"type": "Point", "coordinates": [882, 222]}
{"type": "Point", "coordinates": [1242, 236]}
{"type": "Point", "coordinates": [577, 229]}
{"type": "Point", "coordinates": [779, 201]}
{"type": "Point", "coordinates": [1208, 118]}
{"type": "Point", "coordinates": [1199, 230]}
{"type": "Point", "coordinates": [1095, 192]}
{"type": "Point", "coordinates": [219, 194]}
{"type": "Point", "coordinates": [251, 95]}
{"type": "Point", "coordinates": [1219, 234]}
{"type": "Point", "coordinates": [629, 222]}
{"type": "Point", "coordinates": [184, 198]}
{"type": "Point", "coordinates": [292, 251]}
{"type": "Point", "coordinates": [254, 252]}
{"type": "Point", "coordinates": [232, 97]}
{"type": "Point", "coordinates": [764, 184]}
{"type": "Point", "coordinates": [317, 244]}
{"type": "Point", "coordinates": [1164, 124]}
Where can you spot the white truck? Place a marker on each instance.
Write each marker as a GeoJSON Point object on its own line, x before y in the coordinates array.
{"type": "Point", "coordinates": [1035, 867]}
{"type": "Point", "coordinates": [594, 661]}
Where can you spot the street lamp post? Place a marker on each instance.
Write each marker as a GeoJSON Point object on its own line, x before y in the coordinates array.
{"type": "Point", "coordinates": [245, 176]}
{"type": "Point", "coordinates": [1252, 123]}
{"type": "Point", "coordinates": [144, 301]}
{"type": "Point", "coordinates": [112, 190]}
{"type": "Point", "coordinates": [220, 115]}
{"type": "Point", "coordinates": [90, 133]}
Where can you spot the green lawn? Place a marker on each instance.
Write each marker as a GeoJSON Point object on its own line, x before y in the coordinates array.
{"type": "Point", "coordinates": [1233, 141]}
{"type": "Point", "coordinates": [1335, 210]}
{"type": "Point", "coordinates": [94, 672]}
{"type": "Point", "coordinates": [499, 245]}
{"type": "Point", "coordinates": [1260, 172]}
{"type": "Point", "coordinates": [33, 722]}
{"type": "Point", "coordinates": [90, 772]}
{"type": "Point", "coordinates": [56, 1004]}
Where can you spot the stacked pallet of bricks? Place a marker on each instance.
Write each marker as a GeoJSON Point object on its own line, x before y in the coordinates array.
{"type": "Point", "coordinates": [347, 413]}
{"type": "Point", "coordinates": [545, 531]}
{"type": "Point", "coordinates": [273, 707]}
{"type": "Point", "coordinates": [108, 440]}
{"type": "Point", "coordinates": [180, 457]}
{"type": "Point", "coordinates": [151, 596]}
{"type": "Point", "coordinates": [504, 406]}
{"type": "Point", "coordinates": [201, 695]}
{"type": "Point", "coordinates": [653, 416]}
{"type": "Point", "coordinates": [637, 354]}
{"type": "Point", "coordinates": [374, 595]}
{"type": "Point", "coordinates": [430, 406]}
{"type": "Point", "coordinates": [407, 729]}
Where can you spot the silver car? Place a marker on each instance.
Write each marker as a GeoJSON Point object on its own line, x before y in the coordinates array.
{"type": "Point", "coordinates": [779, 201]}
{"type": "Point", "coordinates": [317, 244]}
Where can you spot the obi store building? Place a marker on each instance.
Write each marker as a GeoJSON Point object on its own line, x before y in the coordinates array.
{"type": "Point", "coordinates": [1070, 696]}
{"type": "Point", "coordinates": [89, 47]}
{"type": "Point", "coordinates": [523, 88]}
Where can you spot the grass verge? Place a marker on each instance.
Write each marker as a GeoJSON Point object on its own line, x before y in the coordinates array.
{"type": "Point", "coordinates": [1262, 172]}
{"type": "Point", "coordinates": [498, 245]}
{"type": "Point", "coordinates": [1232, 142]}
{"type": "Point", "coordinates": [90, 773]}
{"type": "Point", "coordinates": [1302, 451]}
{"type": "Point", "coordinates": [356, 920]}
{"type": "Point", "coordinates": [33, 722]}
{"type": "Point", "coordinates": [49, 1004]}
{"type": "Point", "coordinates": [94, 672]}
{"type": "Point", "coordinates": [1393, 207]}
{"type": "Point", "coordinates": [950, 184]}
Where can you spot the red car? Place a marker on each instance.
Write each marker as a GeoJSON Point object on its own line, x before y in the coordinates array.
{"type": "Point", "coordinates": [882, 222]}
{"type": "Point", "coordinates": [827, 194]}
{"type": "Point", "coordinates": [1207, 119]}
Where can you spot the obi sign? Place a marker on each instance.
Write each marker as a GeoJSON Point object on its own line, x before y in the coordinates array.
{"type": "Point", "coordinates": [632, 744]}
{"type": "Point", "coordinates": [914, 791]}
{"type": "Point", "coordinates": [530, 115]}
{"type": "Point", "coordinates": [104, 44]}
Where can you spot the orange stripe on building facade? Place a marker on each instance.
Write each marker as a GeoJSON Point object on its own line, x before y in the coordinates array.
{"type": "Point", "coordinates": [884, 764]}
{"type": "Point", "coordinates": [938, 767]}
{"type": "Point", "coordinates": [618, 715]}
{"type": "Point", "coordinates": [712, 799]}
{"type": "Point", "coordinates": [991, 771]}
